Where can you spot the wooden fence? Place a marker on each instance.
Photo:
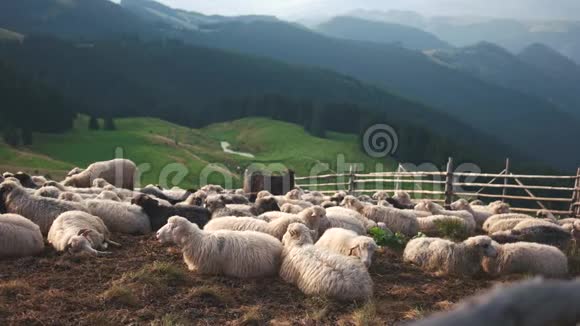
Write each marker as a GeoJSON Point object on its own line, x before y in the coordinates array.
{"type": "Point", "coordinates": [525, 193]}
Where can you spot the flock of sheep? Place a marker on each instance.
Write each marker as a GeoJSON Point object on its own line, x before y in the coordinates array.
{"type": "Point", "coordinates": [317, 243]}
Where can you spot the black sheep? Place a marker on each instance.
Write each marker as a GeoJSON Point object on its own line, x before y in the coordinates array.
{"type": "Point", "coordinates": [159, 214]}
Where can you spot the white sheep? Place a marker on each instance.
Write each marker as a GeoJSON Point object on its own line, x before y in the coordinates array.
{"type": "Point", "coordinates": [526, 258]}
{"type": "Point", "coordinates": [310, 217]}
{"type": "Point", "coordinates": [108, 195]}
{"type": "Point", "coordinates": [120, 217]}
{"type": "Point", "coordinates": [480, 214]}
{"type": "Point", "coordinates": [436, 209]}
{"type": "Point", "coordinates": [119, 172]}
{"type": "Point", "coordinates": [19, 237]}
{"type": "Point", "coordinates": [291, 208]}
{"type": "Point", "coordinates": [70, 196]}
{"type": "Point", "coordinates": [403, 197]}
{"type": "Point", "coordinates": [100, 183]}
{"type": "Point", "coordinates": [245, 254]}
{"type": "Point", "coordinates": [431, 225]}
{"type": "Point", "coordinates": [40, 210]}
{"type": "Point", "coordinates": [498, 217]}
{"type": "Point", "coordinates": [348, 243]}
{"type": "Point", "coordinates": [446, 257]}
{"type": "Point", "coordinates": [79, 231]}
{"type": "Point", "coordinates": [319, 272]}
{"type": "Point", "coordinates": [49, 192]}
{"type": "Point", "coordinates": [338, 212]}
{"type": "Point", "coordinates": [535, 302]}
{"type": "Point", "coordinates": [396, 220]}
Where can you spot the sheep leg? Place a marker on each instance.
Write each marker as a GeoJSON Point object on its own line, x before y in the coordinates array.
{"type": "Point", "coordinates": [113, 243]}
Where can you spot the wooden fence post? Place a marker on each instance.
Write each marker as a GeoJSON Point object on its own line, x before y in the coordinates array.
{"type": "Point", "coordinates": [574, 207]}
{"type": "Point", "coordinates": [449, 184]}
{"type": "Point", "coordinates": [351, 182]}
{"type": "Point", "coordinates": [505, 179]}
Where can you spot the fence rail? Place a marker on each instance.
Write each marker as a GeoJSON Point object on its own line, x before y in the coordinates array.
{"type": "Point", "coordinates": [559, 194]}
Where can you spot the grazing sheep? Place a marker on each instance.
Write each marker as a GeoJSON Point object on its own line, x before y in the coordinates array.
{"type": "Point", "coordinates": [108, 195]}
{"type": "Point", "coordinates": [40, 210]}
{"type": "Point", "coordinates": [498, 217]}
{"type": "Point", "coordinates": [480, 215]}
{"type": "Point", "coordinates": [436, 209]}
{"type": "Point", "coordinates": [526, 258]}
{"type": "Point", "coordinates": [395, 219]}
{"type": "Point", "coordinates": [534, 302]}
{"type": "Point", "coordinates": [19, 237]}
{"type": "Point", "coordinates": [449, 258]}
{"type": "Point", "coordinates": [49, 192]}
{"type": "Point", "coordinates": [245, 254]}
{"type": "Point", "coordinates": [118, 172]}
{"type": "Point", "coordinates": [158, 214]}
{"type": "Point", "coordinates": [310, 217]}
{"type": "Point", "coordinates": [120, 217]}
{"type": "Point", "coordinates": [319, 272]}
{"type": "Point", "coordinates": [348, 243]}
{"type": "Point", "coordinates": [430, 225]}
{"type": "Point", "coordinates": [79, 231]}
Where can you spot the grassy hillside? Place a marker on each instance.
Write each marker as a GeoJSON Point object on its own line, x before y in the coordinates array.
{"type": "Point", "coordinates": [151, 144]}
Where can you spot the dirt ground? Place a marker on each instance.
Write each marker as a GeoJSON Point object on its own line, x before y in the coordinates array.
{"type": "Point", "coordinates": [145, 283]}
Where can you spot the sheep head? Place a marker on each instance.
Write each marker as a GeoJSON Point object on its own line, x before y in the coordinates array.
{"type": "Point", "coordinates": [381, 195]}
{"type": "Point", "coordinates": [338, 197]}
{"type": "Point", "coordinates": [213, 203]}
{"type": "Point", "coordinates": [263, 193]}
{"type": "Point", "coordinates": [6, 188]}
{"type": "Point", "coordinates": [460, 205]}
{"type": "Point", "coordinates": [148, 204]}
{"type": "Point", "coordinates": [82, 243]}
{"type": "Point", "coordinates": [484, 244]}
{"type": "Point", "coordinates": [352, 203]}
{"type": "Point", "coordinates": [403, 197]}
{"type": "Point", "coordinates": [500, 208]}
{"type": "Point", "coordinates": [74, 171]}
{"type": "Point", "coordinates": [266, 204]}
{"type": "Point", "coordinates": [176, 230]}
{"type": "Point", "coordinates": [312, 216]}
{"type": "Point", "coordinates": [425, 206]}
{"type": "Point", "coordinates": [294, 194]}
{"type": "Point", "coordinates": [297, 234]}
{"type": "Point", "coordinates": [364, 248]}
{"type": "Point", "coordinates": [545, 214]}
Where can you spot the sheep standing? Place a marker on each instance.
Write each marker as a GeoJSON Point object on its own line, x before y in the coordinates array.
{"type": "Point", "coordinates": [118, 172]}
{"type": "Point", "coordinates": [532, 303]}
{"type": "Point", "coordinates": [40, 210]}
{"type": "Point", "coordinates": [310, 217]}
{"type": "Point", "coordinates": [19, 237]}
{"type": "Point", "coordinates": [446, 257]}
{"type": "Point", "coordinates": [79, 231]}
{"type": "Point", "coordinates": [396, 220]}
{"type": "Point", "coordinates": [245, 254]}
{"type": "Point", "coordinates": [320, 272]}
{"type": "Point", "coordinates": [348, 243]}
{"type": "Point", "coordinates": [527, 258]}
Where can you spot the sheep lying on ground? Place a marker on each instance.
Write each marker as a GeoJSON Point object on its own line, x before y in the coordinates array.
{"type": "Point", "coordinates": [70, 196]}
{"type": "Point", "coordinates": [535, 302]}
{"type": "Point", "coordinates": [218, 208]}
{"type": "Point", "coordinates": [158, 214]}
{"type": "Point", "coordinates": [49, 192]}
{"type": "Point", "coordinates": [108, 195]}
{"type": "Point", "coordinates": [291, 209]}
{"type": "Point", "coordinates": [19, 237]}
{"type": "Point", "coordinates": [320, 272]}
{"type": "Point", "coordinates": [526, 258]}
{"type": "Point", "coordinates": [404, 198]}
{"type": "Point", "coordinates": [245, 254]}
{"type": "Point", "coordinates": [171, 197]}
{"type": "Point", "coordinates": [348, 243]}
{"type": "Point", "coordinates": [26, 180]}
{"type": "Point", "coordinates": [100, 183]}
{"type": "Point", "coordinates": [213, 189]}
{"type": "Point", "coordinates": [435, 209]}
{"type": "Point", "coordinates": [499, 217]}
{"type": "Point", "coordinates": [120, 217]}
{"type": "Point", "coordinates": [340, 217]}
{"type": "Point", "coordinates": [396, 220]}
{"type": "Point", "coordinates": [310, 217]}
{"type": "Point", "coordinates": [118, 172]}
{"type": "Point", "coordinates": [40, 210]}
{"type": "Point", "coordinates": [554, 236]}
{"type": "Point", "coordinates": [196, 199]}
{"type": "Point", "coordinates": [446, 257]}
{"type": "Point", "coordinates": [79, 231]}
{"type": "Point", "coordinates": [480, 214]}
{"type": "Point", "coordinates": [338, 197]}
{"type": "Point", "coordinates": [432, 225]}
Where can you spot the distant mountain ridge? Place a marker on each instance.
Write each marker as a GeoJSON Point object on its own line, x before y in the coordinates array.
{"type": "Point", "coordinates": [365, 30]}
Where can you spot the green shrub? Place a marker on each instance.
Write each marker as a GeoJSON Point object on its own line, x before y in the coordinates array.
{"type": "Point", "coordinates": [386, 238]}
{"type": "Point", "coordinates": [451, 229]}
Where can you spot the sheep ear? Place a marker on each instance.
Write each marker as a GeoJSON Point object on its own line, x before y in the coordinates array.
{"type": "Point", "coordinates": [351, 250]}
{"type": "Point", "coordinates": [293, 233]}
{"type": "Point", "coordinates": [82, 231]}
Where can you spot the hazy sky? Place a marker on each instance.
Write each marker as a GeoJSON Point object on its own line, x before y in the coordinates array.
{"type": "Point", "coordinates": [549, 9]}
